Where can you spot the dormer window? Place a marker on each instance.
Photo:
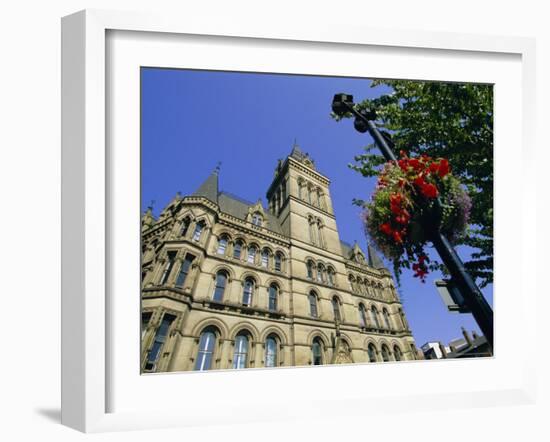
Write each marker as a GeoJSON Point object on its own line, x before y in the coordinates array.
{"type": "Point", "coordinates": [257, 219]}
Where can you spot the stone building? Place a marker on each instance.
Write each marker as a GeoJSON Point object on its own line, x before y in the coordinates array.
{"type": "Point", "coordinates": [230, 284]}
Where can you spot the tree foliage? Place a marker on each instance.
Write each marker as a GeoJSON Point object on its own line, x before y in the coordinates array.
{"type": "Point", "coordinates": [449, 120]}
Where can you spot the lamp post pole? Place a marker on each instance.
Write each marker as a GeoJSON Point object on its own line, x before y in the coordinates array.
{"type": "Point", "coordinates": [473, 298]}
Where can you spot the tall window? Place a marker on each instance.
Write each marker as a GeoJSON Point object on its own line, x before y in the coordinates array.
{"type": "Point", "coordinates": [198, 230]}
{"type": "Point", "coordinates": [184, 270]}
{"type": "Point", "coordinates": [362, 315]}
{"type": "Point", "coordinates": [222, 245]}
{"type": "Point", "coordinates": [318, 197]}
{"type": "Point", "coordinates": [185, 226]}
{"type": "Point", "coordinates": [160, 338]}
{"type": "Point", "coordinates": [309, 265]}
{"type": "Point", "coordinates": [313, 305]}
{"type": "Point", "coordinates": [251, 254]}
{"type": "Point", "coordinates": [403, 320]}
{"type": "Point", "coordinates": [271, 351]}
{"type": "Point", "coordinates": [273, 297]}
{"type": "Point", "coordinates": [301, 189]}
{"type": "Point", "coordinates": [374, 317]}
{"type": "Point", "coordinates": [278, 261]}
{"type": "Point", "coordinates": [336, 309]}
{"type": "Point", "coordinates": [386, 316]}
{"type": "Point", "coordinates": [397, 353]}
{"type": "Point", "coordinates": [265, 258]}
{"type": "Point", "coordinates": [248, 291]}
{"type": "Point", "coordinates": [372, 353]}
{"type": "Point", "coordinates": [320, 273]}
{"type": "Point", "coordinates": [312, 228]}
{"type": "Point", "coordinates": [237, 250]}
{"type": "Point", "coordinates": [317, 352]}
{"type": "Point", "coordinates": [145, 318]}
{"type": "Point", "coordinates": [205, 355]}
{"type": "Point", "coordinates": [240, 355]}
{"type": "Point", "coordinates": [257, 219]}
{"type": "Point", "coordinates": [171, 259]}
{"type": "Point", "coordinates": [385, 353]}
{"type": "Point", "coordinates": [309, 199]}
{"type": "Point", "coordinates": [330, 274]}
{"type": "Point", "coordinates": [221, 282]}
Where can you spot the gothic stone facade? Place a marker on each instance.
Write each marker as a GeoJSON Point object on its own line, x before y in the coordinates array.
{"type": "Point", "coordinates": [230, 284]}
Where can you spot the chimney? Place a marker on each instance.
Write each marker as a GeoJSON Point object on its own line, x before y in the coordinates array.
{"type": "Point", "coordinates": [443, 351]}
{"type": "Point", "coordinates": [466, 336]}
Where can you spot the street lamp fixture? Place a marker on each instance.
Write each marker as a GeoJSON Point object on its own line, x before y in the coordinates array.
{"type": "Point", "coordinates": [474, 301]}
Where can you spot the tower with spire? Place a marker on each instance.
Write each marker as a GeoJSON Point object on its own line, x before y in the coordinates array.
{"type": "Point", "coordinates": [231, 283]}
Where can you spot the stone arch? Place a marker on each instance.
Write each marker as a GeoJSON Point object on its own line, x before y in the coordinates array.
{"type": "Point", "coordinates": [316, 333]}
{"type": "Point", "coordinates": [273, 329]}
{"type": "Point", "coordinates": [247, 326]}
{"type": "Point", "coordinates": [227, 269]}
{"type": "Point", "coordinates": [208, 322]}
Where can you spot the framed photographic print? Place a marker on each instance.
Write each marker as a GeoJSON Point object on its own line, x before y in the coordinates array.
{"type": "Point", "coordinates": [231, 234]}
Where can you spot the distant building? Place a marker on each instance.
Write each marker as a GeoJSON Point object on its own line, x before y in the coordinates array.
{"type": "Point", "coordinates": [473, 346]}
{"type": "Point", "coordinates": [230, 284]}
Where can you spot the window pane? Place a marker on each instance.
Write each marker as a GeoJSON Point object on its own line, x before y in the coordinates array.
{"type": "Point", "coordinates": [278, 262]}
{"type": "Point", "coordinates": [168, 268]}
{"type": "Point", "coordinates": [206, 350]}
{"type": "Point", "coordinates": [247, 292]}
{"type": "Point", "coordinates": [237, 250]}
{"type": "Point", "coordinates": [313, 305]}
{"type": "Point", "coordinates": [219, 290]}
{"type": "Point", "coordinates": [251, 254]}
{"type": "Point", "coordinates": [184, 270]}
{"type": "Point", "coordinates": [272, 298]}
{"type": "Point", "coordinates": [198, 231]}
{"type": "Point", "coordinates": [317, 353]}
{"type": "Point", "coordinates": [222, 245]}
{"type": "Point", "coordinates": [265, 258]}
{"type": "Point", "coordinates": [241, 350]}
{"type": "Point", "coordinates": [270, 352]}
{"type": "Point", "coordinates": [160, 337]}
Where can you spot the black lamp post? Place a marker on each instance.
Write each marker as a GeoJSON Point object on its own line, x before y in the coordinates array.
{"type": "Point", "coordinates": [473, 298]}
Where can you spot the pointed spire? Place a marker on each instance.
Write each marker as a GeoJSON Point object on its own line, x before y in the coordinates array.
{"type": "Point", "coordinates": [374, 259]}
{"type": "Point", "coordinates": [209, 189]}
{"type": "Point", "coordinates": [148, 219]}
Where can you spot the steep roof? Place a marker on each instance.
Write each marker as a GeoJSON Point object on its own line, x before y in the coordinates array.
{"type": "Point", "coordinates": [209, 189]}
{"type": "Point", "coordinates": [238, 207]}
{"type": "Point", "coordinates": [373, 258]}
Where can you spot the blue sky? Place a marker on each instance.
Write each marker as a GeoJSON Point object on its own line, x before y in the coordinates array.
{"type": "Point", "coordinates": [191, 120]}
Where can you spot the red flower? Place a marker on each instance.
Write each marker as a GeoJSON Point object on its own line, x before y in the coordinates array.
{"type": "Point", "coordinates": [386, 228]}
{"type": "Point", "coordinates": [444, 168]}
{"type": "Point", "coordinates": [397, 237]}
{"type": "Point", "coordinates": [434, 167]}
{"type": "Point", "coordinates": [415, 164]}
{"type": "Point", "coordinates": [419, 181]}
{"type": "Point", "coordinates": [403, 164]}
{"type": "Point", "coordinates": [429, 191]}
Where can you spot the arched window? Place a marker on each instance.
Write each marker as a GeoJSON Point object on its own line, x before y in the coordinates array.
{"type": "Point", "coordinates": [257, 219]}
{"type": "Point", "coordinates": [309, 265]}
{"type": "Point", "coordinates": [198, 230]}
{"type": "Point", "coordinates": [222, 245]}
{"type": "Point", "coordinates": [207, 345]}
{"type": "Point", "coordinates": [278, 262]}
{"type": "Point", "coordinates": [248, 291]}
{"type": "Point", "coordinates": [351, 281]}
{"type": "Point", "coordinates": [273, 297]}
{"type": "Point", "coordinates": [185, 226]}
{"type": "Point", "coordinates": [336, 309]}
{"type": "Point", "coordinates": [271, 353]}
{"type": "Point", "coordinates": [362, 315]}
{"type": "Point", "coordinates": [397, 353]}
{"type": "Point", "coordinates": [240, 355]}
{"type": "Point", "coordinates": [374, 317]}
{"type": "Point", "coordinates": [237, 249]}
{"type": "Point", "coordinates": [320, 273]}
{"type": "Point", "coordinates": [385, 353]}
{"type": "Point", "coordinates": [221, 282]}
{"type": "Point", "coordinates": [312, 297]}
{"type": "Point", "coordinates": [371, 350]}
{"type": "Point", "coordinates": [251, 254]}
{"type": "Point", "coordinates": [184, 270]}
{"type": "Point", "coordinates": [359, 287]}
{"type": "Point", "coordinates": [330, 275]}
{"type": "Point", "coordinates": [265, 258]}
{"type": "Point", "coordinates": [386, 316]}
{"type": "Point", "coordinates": [317, 351]}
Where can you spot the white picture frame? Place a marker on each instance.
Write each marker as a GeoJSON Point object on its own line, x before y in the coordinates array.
{"type": "Point", "coordinates": [86, 217]}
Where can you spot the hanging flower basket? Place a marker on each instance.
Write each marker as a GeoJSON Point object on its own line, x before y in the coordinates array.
{"type": "Point", "coordinates": [403, 210]}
